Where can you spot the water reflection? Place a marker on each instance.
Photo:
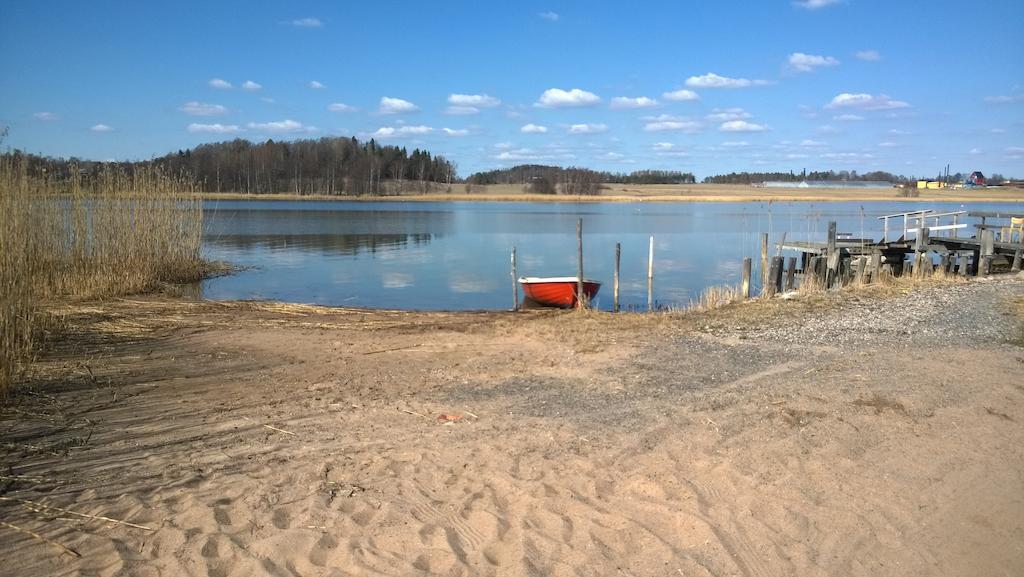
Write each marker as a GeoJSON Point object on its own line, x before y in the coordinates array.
{"type": "Point", "coordinates": [456, 255]}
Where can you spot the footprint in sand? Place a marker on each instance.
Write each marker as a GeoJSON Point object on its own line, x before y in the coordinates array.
{"type": "Point", "coordinates": [282, 519]}
{"type": "Point", "coordinates": [320, 555]}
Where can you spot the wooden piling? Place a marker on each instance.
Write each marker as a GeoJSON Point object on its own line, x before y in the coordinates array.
{"type": "Point", "coordinates": [764, 258]}
{"type": "Point", "coordinates": [772, 287]}
{"type": "Point", "coordinates": [876, 266]}
{"type": "Point", "coordinates": [988, 241]}
{"type": "Point", "coordinates": [1016, 260]}
{"type": "Point", "coordinates": [515, 282]}
{"type": "Point", "coordinates": [745, 287]}
{"type": "Point", "coordinates": [790, 273]}
{"type": "Point", "coordinates": [579, 268]}
{"type": "Point", "coordinates": [811, 271]}
{"type": "Point", "coordinates": [650, 276]}
{"type": "Point", "coordinates": [832, 257]}
{"type": "Point", "coordinates": [615, 282]}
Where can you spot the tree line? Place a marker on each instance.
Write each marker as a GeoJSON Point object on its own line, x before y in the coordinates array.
{"type": "Point", "coordinates": [544, 179]}
{"type": "Point", "coordinates": [846, 175]}
{"type": "Point", "coordinates": [324, 166]}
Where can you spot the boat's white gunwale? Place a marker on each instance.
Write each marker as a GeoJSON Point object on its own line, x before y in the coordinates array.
{"type": "Point", "coordinates": [554, 280]}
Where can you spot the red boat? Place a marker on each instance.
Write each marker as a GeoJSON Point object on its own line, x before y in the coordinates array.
{"type": "Point", "coordinates": [557, 291]}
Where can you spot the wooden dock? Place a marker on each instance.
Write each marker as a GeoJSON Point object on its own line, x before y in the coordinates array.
{"type": "Point", "coordinates": [924, 237]}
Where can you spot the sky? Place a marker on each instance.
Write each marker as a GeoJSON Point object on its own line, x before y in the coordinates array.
{"type": "Point", "coordinates": [703, 87]}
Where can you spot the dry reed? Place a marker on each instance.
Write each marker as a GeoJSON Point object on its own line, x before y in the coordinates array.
{"type": "Point", "coordinates": [85, 237]}
{"type": "Point", "coordinates": [714, 297]}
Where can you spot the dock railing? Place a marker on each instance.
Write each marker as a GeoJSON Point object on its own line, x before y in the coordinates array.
{"type": "Point", "coordinates": [916, 219]}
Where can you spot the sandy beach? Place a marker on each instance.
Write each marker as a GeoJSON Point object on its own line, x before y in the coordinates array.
{"type": "Point", "coordinates": [866, 433]}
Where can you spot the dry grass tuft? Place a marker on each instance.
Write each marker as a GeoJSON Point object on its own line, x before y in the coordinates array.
{"type": "Point", "coordinates": [714, 297]}
{"type": "Point", "coordinates": [104, 235]}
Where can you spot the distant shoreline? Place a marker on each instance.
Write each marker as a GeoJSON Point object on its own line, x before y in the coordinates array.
{"type": "Point", "coordinates": [658, 193]}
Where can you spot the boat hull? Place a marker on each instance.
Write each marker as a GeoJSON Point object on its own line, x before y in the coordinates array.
{"type": "Point", "coordinates": [557, 292]}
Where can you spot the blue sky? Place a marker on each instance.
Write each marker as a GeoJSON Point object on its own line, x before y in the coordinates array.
{"type": "Point", "coordinates": [705, 87]}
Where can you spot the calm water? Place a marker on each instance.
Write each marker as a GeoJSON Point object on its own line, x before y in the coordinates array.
{"type": "Point", "coordinates": [455, 255]}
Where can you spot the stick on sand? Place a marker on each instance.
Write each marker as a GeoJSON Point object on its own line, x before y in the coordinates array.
{"type": "Point", "coordinates": [34, 535]}
{"type": "Point", "coordinates": [69, 512]}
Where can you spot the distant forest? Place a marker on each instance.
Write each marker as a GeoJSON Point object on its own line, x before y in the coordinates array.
{"type": "Point", "coordinates": [757, 177]}
{"type": "Point", "coordinates": [543, 179]}
{"type": "Point", "coordinates": [323, 166]}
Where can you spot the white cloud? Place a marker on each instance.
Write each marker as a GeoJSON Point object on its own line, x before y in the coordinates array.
{"type": "Point", "coordinates": [558, 98]}
{"type": "Point", "coordinates": [888, 144]}
{"type": "Point", "coordinates": [712, 80]}
{"type": "Point", "coordinates": [473, 100]}
{"type": "Point", "coordinates": [638, 102]}
{"type": "Point", "coordinates": [827, 129]}
{"type": "Point", "coordinates": [741, 126]}
{"type": "Point", "coordinates": [614, 156]}
{"type": "Point", "coordinates": [998, 131]}
{"type": "Point", "coordinates": [814, 4]}
{"type": "Point", "coordinates": [795, 156]}
{"type": "Point", "coordinates": [390, 131]}
{"type": "Point", "coordinates": [100, 128]}
{"type": "Point", "coordinates": [193, 108]}
{"type": "Point", "coordinates": [550, 16]}
{"type": "Point", "coordinates": [1015, 149]}
{"type": "Point", "coordinates": [801, 62]}
{"type": "Point", "coordinates": [812, 143]}
{"type": "Point", "coordinates": [588, 128]}
{"type": "Point", "coordinates": [45, 115]}
{"type": "Point", "coordinates": [533, 129]}
{"type": "Point", "coordinates": [976, 151]}
{"type": "Point", "coordinates": [455, 132]}
{"type": "Point", "coordinates": [848, 117]}
{"type": "Point", "coordinates": [1005, 99]}
{"type": "Point", "coordinates": [220, 84]}
{"type": "Point", "coordinates": [461, 110]}
{"type": "Point", "coordinates": [214, 128]}
{"type": "Point", "coordinates": [846, 155]}
{"type": "Point", "coordinates": [735, 143]}
{"type": "Point", "coordinates": [315, 85]}
{"type": "Point", "coordinates": [340, 107]}
{"type": "Point", "coordinates": [281, 127]}
{"type": "Point", "coordinates": [669, 123]}
{"type": "Point", "coordinates": [390, 105]}
{"type": "Point", "coordinates": [663, 146]}
{"type": "Point", "coordinates": [307, 23]}
{"type": "Point", "coordinates": [868, 55]}
{"type": "Point", "coordinates": [531, 155]}
{"type": "Point", "coordinates": [251, 86]}
{"type": "Point", "coordinates": [898, 132]}
{"type": "Point", "coordinates": [267, 99]}
{"type": "Point", "coordinates": [680, 95]}
{"type": "Point", "coordinates": [863, 101]}
{"type": "Point", "coordinates": [726, 114]}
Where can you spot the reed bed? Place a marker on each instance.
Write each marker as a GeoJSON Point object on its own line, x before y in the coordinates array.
{"type": "Point", "coordinates": [83, 237]}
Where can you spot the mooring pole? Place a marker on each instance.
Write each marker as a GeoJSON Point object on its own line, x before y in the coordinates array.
{"type": "Point", "coordinates": [515, 282]}
{"type": "Point", "coordinates": [579, 269]}
{"type": "Point", "coordinates": [615, 283]}
{"type": "Point", "coordinates": [764, 258]}
{"type": "Point", "coordinates": [745, 287]}
{"type": "Point", "coordinates": [650, 276]}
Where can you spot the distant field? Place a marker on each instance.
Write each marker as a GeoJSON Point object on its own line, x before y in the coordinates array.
{"type": "Point", "coordinates": [676, 193]}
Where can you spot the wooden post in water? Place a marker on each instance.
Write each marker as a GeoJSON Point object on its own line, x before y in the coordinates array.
{"type": "Point", "coordinates": [650, 276]}
{"type": "Point", "coordinates": [615, 283]}
{"type": "Point", "coordinates": [831, 257]}
{"type": "Point", "coordinates": [745, 283]}
{"type": "Point", "coordinates": [790, 273]}
{"type": "Point", "coordinates": [771, 288]}
{"type": "Point", "coordinates": [515, 282]}
{"type": "Point", "coordinates": [579, 268]}
{"type": "Point", "coordinates": [764, 259]}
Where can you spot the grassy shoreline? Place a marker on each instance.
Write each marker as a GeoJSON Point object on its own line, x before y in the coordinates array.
{"type": "Point", "coordinates": [658, 193]}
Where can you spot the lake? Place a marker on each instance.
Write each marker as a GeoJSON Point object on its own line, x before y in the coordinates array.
{"type": "Point", "coordinates": [455, 255]}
